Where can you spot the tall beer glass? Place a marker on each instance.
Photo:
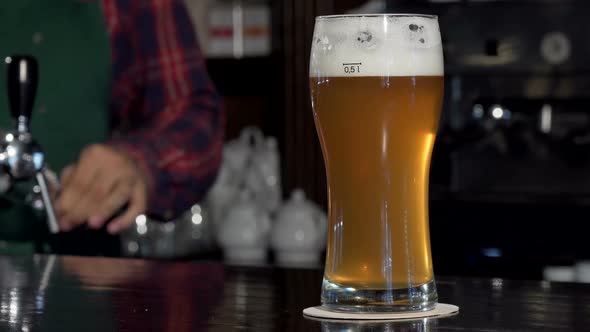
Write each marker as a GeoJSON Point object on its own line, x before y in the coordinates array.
{"type": "Point", "coordinates": [377, 87]}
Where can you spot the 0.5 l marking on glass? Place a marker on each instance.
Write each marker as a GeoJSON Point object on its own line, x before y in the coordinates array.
{"type": "Point", "coordinates": [352, 67]}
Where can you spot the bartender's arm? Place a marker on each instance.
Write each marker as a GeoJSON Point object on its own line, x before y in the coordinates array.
{"type": "Point", "coordinates": [167, 120]}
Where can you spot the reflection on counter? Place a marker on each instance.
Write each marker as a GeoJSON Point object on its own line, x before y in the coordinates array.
{"type": "Point", "coordinates": [48, 293]}
{"type": "Point", "coordinates": [424, 325]}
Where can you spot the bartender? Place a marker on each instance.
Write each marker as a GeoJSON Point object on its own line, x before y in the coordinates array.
{"type": "Point", "coordinates": [125, 112]}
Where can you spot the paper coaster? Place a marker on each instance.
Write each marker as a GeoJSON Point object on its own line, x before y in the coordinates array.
{"type": "Point", "coordinates": [441, 310]}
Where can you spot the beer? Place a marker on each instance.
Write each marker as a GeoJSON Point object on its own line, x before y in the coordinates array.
{"type": "Point", "coordinates": [377, 86]}
{"type": "Point", "coordinates": [377, 135]}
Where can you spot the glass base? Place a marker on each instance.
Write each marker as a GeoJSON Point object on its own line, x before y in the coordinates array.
{"type": "Point", "coordinates": [347, 299]}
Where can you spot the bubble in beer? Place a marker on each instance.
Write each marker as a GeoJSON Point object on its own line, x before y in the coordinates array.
{"type": "Point", "coordinates": [365, 40]}
{"type": "Point", "coordinates": [324, 44]}
{"type": "Point", "coordinates": [364, 37]}
{"type": "Point", "coordinates": [417, 35]}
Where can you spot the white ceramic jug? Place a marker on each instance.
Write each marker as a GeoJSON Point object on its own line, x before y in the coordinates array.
{"type": "Point", "coordinates": [244, 233]}
{"type": "Point", "coordinates": [299, 234]}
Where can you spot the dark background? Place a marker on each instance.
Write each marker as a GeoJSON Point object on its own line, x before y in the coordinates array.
{"type": "Point", "coordinates": [507, 198]}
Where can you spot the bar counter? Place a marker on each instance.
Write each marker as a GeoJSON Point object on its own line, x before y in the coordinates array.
{"type": "Point", "coordinates": [66, 293]}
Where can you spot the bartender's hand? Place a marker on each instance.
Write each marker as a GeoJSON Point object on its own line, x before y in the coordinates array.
{"type": "Point", "coordinates": [102, 181]}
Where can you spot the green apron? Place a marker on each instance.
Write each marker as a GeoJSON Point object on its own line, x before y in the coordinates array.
{"type": "Point", "coordinates": [69, 40]}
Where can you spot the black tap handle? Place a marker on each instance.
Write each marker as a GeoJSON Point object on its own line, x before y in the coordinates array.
{"type": "Point", "coordinates": [22, 77]}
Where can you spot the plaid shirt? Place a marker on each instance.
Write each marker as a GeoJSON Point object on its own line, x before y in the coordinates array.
{"type": "Point", "coordinates": [164, 110]}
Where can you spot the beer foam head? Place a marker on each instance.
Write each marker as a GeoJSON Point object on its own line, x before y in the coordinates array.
{"type": "Point", "coordinates": [376, 45]}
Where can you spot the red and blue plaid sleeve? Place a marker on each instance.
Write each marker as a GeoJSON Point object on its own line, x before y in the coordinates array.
{"type": "Point", "coordinates": [165, 112]}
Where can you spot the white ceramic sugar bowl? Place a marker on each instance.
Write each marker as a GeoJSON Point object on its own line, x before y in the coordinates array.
{"type": "Point", "coordinates": [299, 234]}
{"type": "Point", "coordinates": [244, 232]}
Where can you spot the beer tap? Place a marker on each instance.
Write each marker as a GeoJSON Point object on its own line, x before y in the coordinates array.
{"type": "Point", "coordinates": [21, 157]}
